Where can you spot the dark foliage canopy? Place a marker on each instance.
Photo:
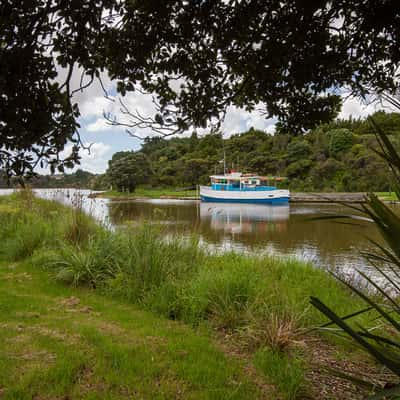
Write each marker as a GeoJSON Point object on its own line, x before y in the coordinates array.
{"type": "Point", "coordinates": [127, 170]}
{"type": "Point", "coordinates": [195, 57]}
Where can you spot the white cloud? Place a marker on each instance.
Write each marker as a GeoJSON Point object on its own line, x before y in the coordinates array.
{"type": "Point", "coordinates": [95, 89]}
{"type": "Point", "coordinates": [93, 104]}
{"type": "Point", "coordinates": [96, 106]}
{"type": "Point", "coordinates": [238, 120]}
{"type": "Point", "coordinates": [101, 125]}
{"type": "Point", "coordinates": [93, 159]}
{"type": "Point", "coordinates": [356, 108]}
{"type": "Point", "coordinates": [271, 128]}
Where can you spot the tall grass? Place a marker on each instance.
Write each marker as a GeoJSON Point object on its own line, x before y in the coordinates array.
{"type": "Point", "coordinates": [171, 276]}
{"type": "Point", "coordinates": [223, 291]}
{"type": "Point", "coordinates": [23, 229]}
{"type": "Point", "coordinates": [79, 228]}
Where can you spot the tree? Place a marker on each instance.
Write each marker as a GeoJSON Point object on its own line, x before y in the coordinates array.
{"type": "Point", "coordinates": [194, 170]}
{"type": "Point", "coordinates": [340, 140]}
{"type": "Point", "coordinates": [126, 172]}
{"type": "Point", "coordinates": [286, 56]}
{"type": "Point", "coordinates": [298, 150]}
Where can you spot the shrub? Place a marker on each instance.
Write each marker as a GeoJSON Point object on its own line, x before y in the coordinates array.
{"type": "Point", "coordinates": [92, 266]}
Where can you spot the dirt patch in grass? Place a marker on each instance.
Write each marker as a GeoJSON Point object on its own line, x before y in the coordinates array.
{"type": "Point", "coordinates": [56, 334]}
{"type": "Point", "coordinates": [18, 339]}
{"type": "Point", "coordinates": [70, 301]}
{"type": "Point", "coordinates": [324, 360]}
{"type": "Point", "coordinates": [110, 328]}
{"type": "Point", "coordinates": [42, 355]}
{"type": "Point", "coordinates": [19, 327]}
{"type": "Point", "coordinates": [27, 333]}
{"type": "Point", "coordinates": [27, 315]}
{"type": "Point", "coordinates": [17, 276]}
{"type": "Point", "coordinates": [72, 305]}
{"type": "Point", "coordinates": [89, 383]}
{"type": "Point", "coordinates": [27, 353]}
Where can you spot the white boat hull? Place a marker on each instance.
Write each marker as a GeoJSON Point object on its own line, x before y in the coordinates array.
{"type": "Point", "coordinates": [257, 196]}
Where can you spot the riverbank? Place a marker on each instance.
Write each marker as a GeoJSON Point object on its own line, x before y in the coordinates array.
{"type": "Point", "coordinates": [149, 193]}
{"type": "Point", "coordinates": [296, 197]}
{"type": "Point", "coordinates": [245, 318]}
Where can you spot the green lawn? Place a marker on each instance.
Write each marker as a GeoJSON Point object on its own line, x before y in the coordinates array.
{"type": "Point", "coordinates": [59, 342]}
{"type": "Point", "coordinates": [387, 196]}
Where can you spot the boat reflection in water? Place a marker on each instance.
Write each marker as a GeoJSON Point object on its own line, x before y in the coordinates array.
{"type": "Point", "coordinates": [236, 218]}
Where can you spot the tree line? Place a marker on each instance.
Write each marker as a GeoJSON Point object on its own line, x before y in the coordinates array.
{"type": "Point", "coordinates": [338, 156]}
{"type": "Point", "coordinates": [78, 179]}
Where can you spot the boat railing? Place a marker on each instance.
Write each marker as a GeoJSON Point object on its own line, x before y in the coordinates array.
{"type": "Point", "coordinates": [243, 188]}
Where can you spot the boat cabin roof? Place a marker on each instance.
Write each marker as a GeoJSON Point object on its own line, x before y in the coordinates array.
{"type": "Point", "coordinates": [234, 177]}
{"type": "Point", "coordinates": [237, 176]}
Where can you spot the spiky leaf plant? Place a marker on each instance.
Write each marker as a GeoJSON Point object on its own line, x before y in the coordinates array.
{"type": "Point", "coordinates": [383, 344]}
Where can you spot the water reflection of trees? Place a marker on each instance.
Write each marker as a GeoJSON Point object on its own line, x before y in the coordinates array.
{"type": "Point", "coordinates": [285, 231]}
{"type": "Point", "coordinates": [123, 211]}
{"type": "Point", "coordinates": [282, 229]}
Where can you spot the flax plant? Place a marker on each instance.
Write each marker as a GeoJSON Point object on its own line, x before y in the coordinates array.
{"type": "Point", "coordinates": [382, 341]}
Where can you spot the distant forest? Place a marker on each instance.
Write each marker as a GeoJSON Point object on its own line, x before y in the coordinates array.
{"type": "Point", "coordinates": [79, 179]}
{"type": "Point", "coordinates": [338, 156]}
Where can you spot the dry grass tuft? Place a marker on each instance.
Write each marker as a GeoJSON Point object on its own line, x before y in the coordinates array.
{"type": "Point", "coordinates": [275, 331]}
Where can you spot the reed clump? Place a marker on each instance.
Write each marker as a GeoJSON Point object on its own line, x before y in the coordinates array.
{"type": "Point", "coordinates": [79, 228]}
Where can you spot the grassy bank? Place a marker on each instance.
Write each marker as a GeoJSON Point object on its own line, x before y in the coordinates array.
{"type": "Point", "coordinates": [252, 309]}
{"type": "Point", "coordinates": [151, 193]}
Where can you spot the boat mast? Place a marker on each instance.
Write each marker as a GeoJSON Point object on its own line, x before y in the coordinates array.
{"type": "Point", "coordinates": [224, 163]}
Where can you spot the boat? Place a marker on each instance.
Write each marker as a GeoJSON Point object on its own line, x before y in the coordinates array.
{"type": "Point", "coordinates": [236, 187]}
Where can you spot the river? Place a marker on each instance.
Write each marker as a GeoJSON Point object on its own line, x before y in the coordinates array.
{"type": "Point", "coordinates": [289, 230]}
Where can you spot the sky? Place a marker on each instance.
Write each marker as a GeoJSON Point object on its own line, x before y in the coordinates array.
{"type": "Point", "coordinates": [105, 140]}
